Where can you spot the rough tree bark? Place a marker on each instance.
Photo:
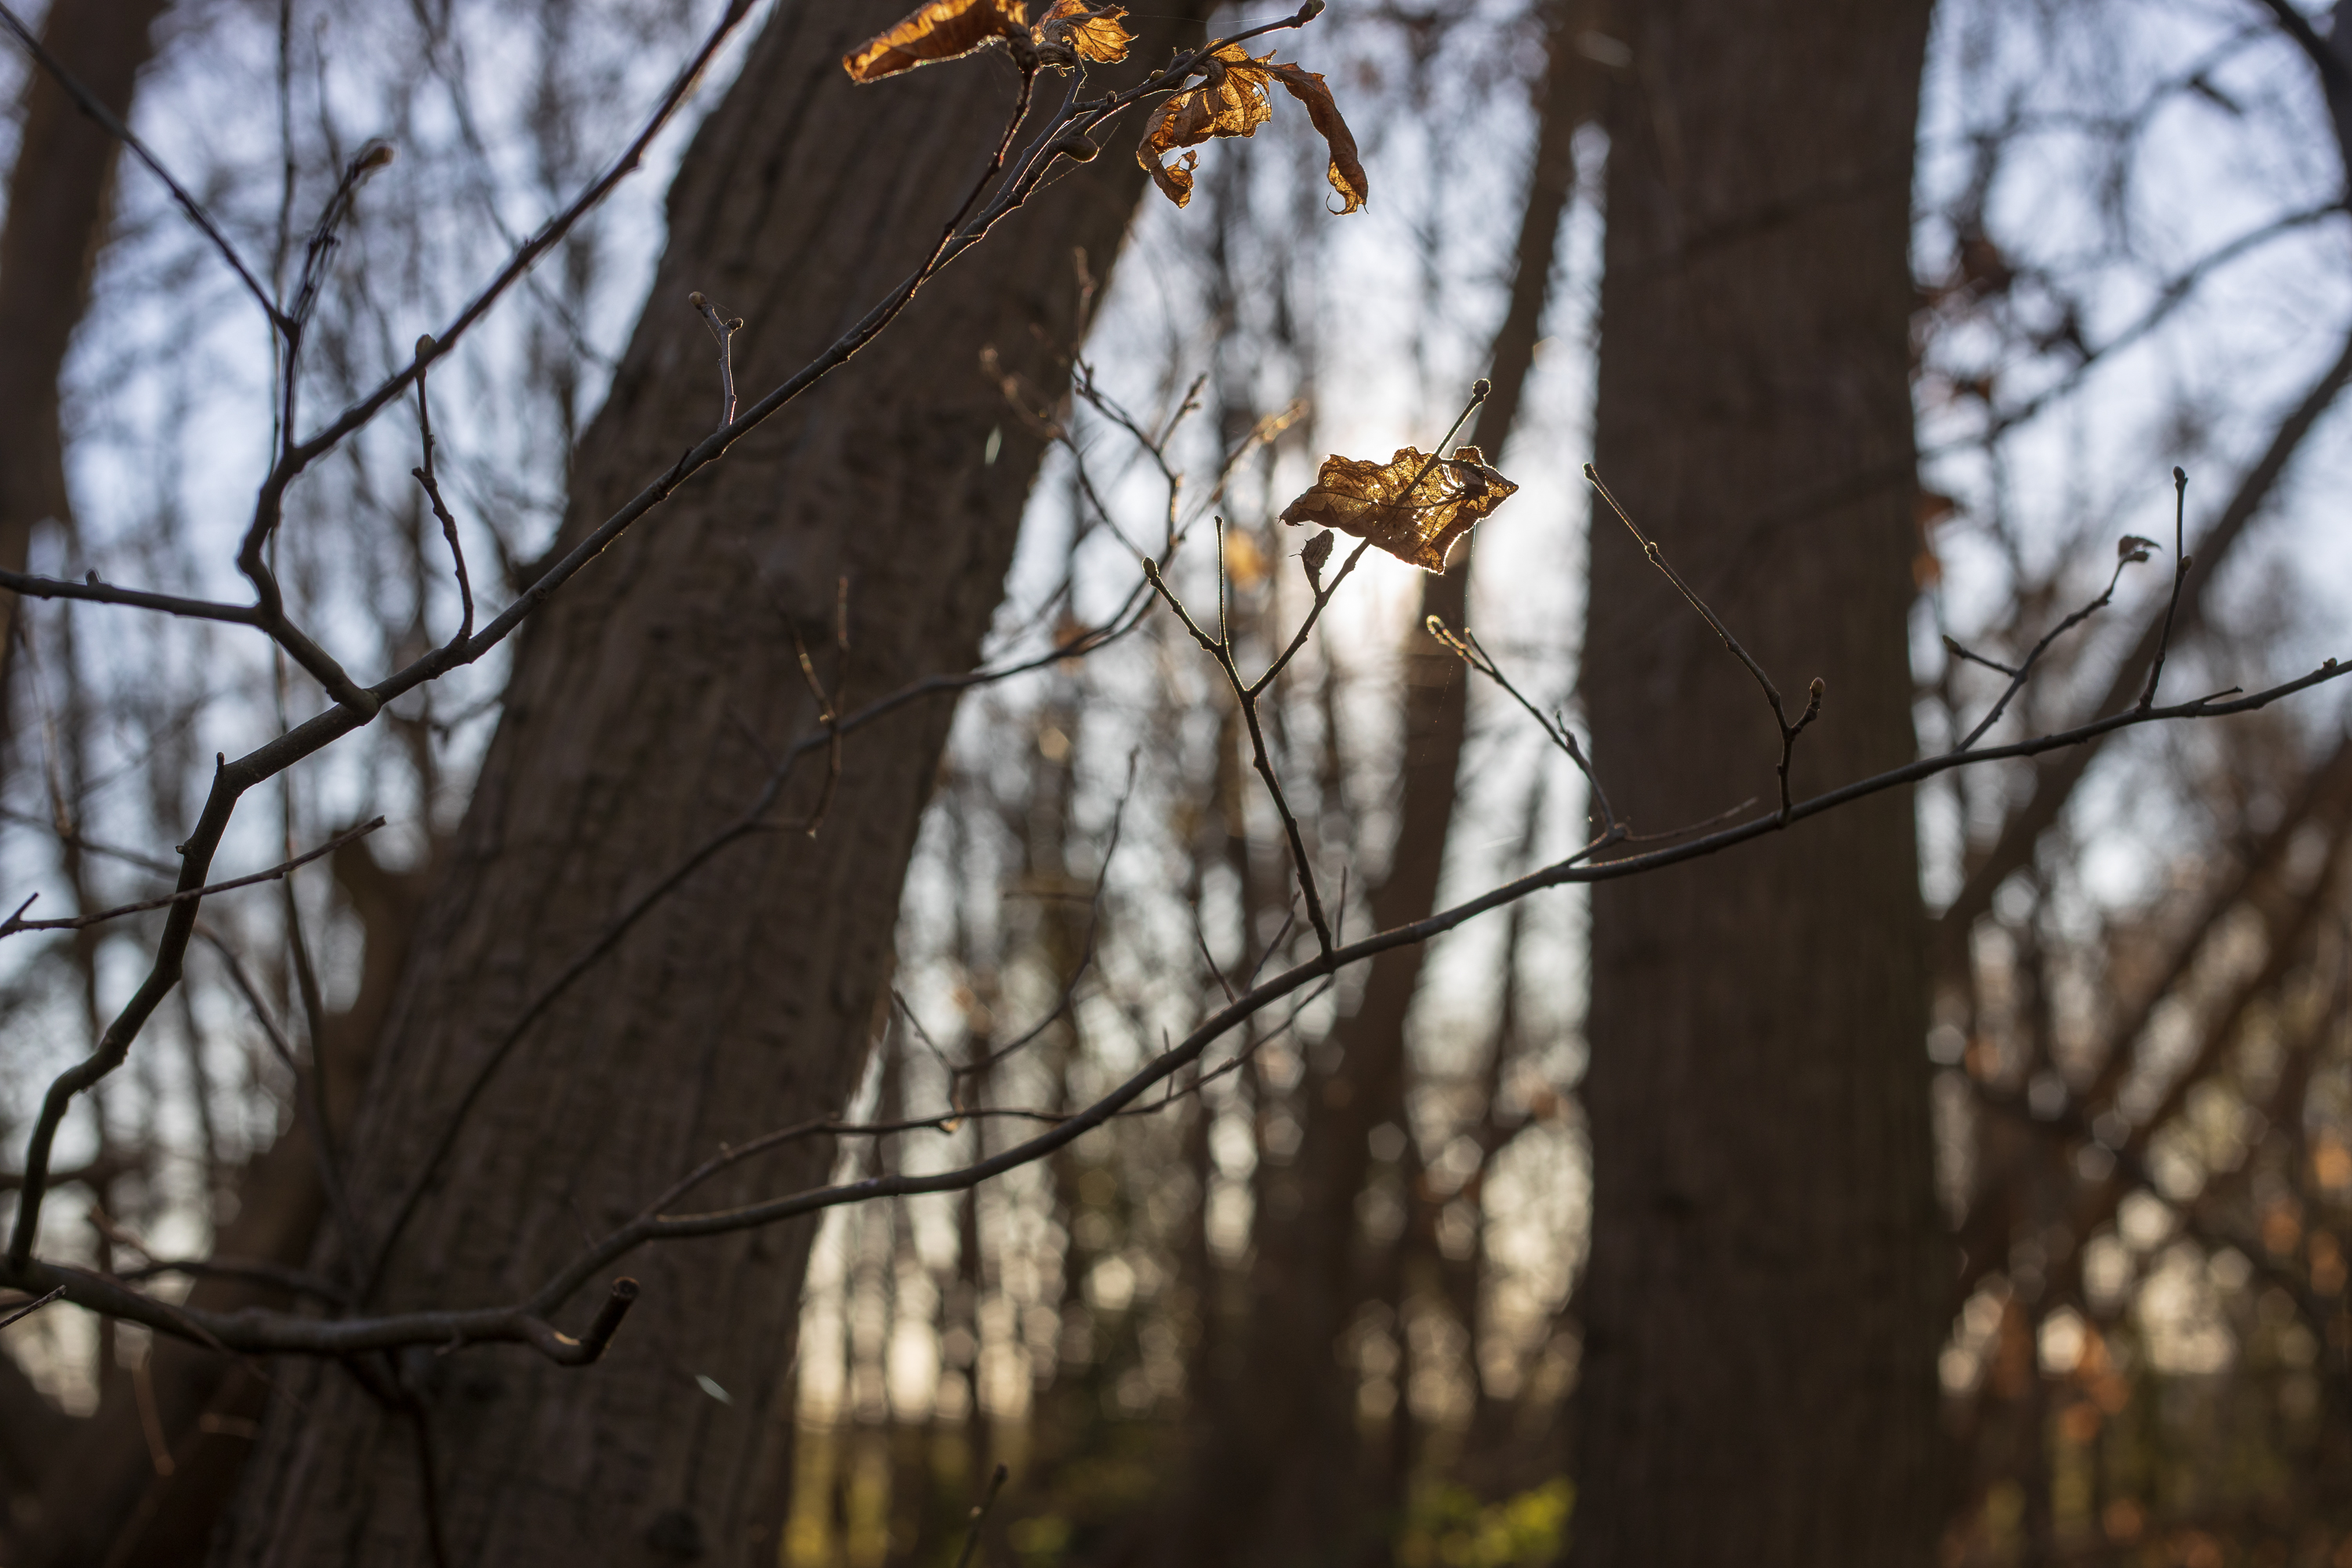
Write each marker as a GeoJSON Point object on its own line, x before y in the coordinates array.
{"type": "Point", "coordinates": [644, 712]}
{"type": "Point", "coordinates": [1768, 1276]}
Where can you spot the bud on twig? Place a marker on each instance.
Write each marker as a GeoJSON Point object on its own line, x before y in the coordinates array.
{"type": "Point", "coordinates": [1312, 555]}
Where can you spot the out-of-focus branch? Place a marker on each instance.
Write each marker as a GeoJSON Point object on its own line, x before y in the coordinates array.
{"type": "Point", "coordinates": [17, 922]}
{"type": "Point", "coordinates": [356, 707]}
{"type": "Point", "coordinates": [755, 818]}
{"type": "Point", "coordinates": [2054, 782]}
{"type": "Point", "coordinates": [2024, 669]}
{"type": "Point", "coordinates": [528, 1321]}
{"type": "Point", "coordinates": [91, 104]}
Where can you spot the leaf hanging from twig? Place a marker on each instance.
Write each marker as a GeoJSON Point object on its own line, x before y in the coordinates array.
{"type": "Point", "coordinates": [1346, 174]}
{"type": "Point", "coordinates": [1233, 102]}
{"type": "Point", "coordinates": [939, 30]}
{"type": "Point", "coordinates": [1414, 522]}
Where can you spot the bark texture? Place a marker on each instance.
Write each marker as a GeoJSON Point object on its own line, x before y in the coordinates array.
{"type": "Point", "coordinates": [1765, 1296]}
{"type": "Point", "coordinates": [643, 714]}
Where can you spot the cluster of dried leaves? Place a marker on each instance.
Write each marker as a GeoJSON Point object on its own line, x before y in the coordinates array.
{"type": "Point", "coordinates": [1070, 31]}
{"type": "Point", "coordinates": [1413, 506]}
{"type": "Point", "coordinates": [1234, 98]}
{"type": "Point", "coordinates": [1234, 101]}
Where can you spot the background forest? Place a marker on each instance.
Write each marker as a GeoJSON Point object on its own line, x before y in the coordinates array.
{"type": "Point", "coordinates": [2037, 1085]}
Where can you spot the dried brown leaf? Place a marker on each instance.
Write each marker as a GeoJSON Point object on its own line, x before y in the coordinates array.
{"type": "Point", "coordinates": [1233, 102]}
{"type": "Point", "coordinates": [1347, 174]}
{"type": "Point", "coordinates": [1094, 33]}
{"type": "Point", "coordinates": [1415, 523]}
{"type": "Point", "coordinates": [939, 30]}
{"type": "Point", "coordinates": [1230, 102]}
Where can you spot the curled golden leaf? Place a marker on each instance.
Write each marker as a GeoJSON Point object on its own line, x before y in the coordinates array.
{"type": "Point", "coordinates": [1230, 102]}
{"type": "Point", "coordinates": [1093, 33]}
{"type": "Point", "coordinates": [1346, 174]}
{"type": "Point", "coordinates": [1233, 102]}
{"type": "Point", "coordinates": [939, 30]}
{"type": "Point", "coordinates": [1413, 506]}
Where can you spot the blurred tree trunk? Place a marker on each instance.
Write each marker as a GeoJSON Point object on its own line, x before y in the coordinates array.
{"type": "Point", "coordinates": [644, 710]}
{"type": "Point", "coordinates": [1767, 1282]}
{"type": "Point", "coordinates": [59, 203]}
{"type": "Point", "coordinates": [107, 1496]}
{"type": "Point", "coordinates": [59, 195]}
{"type": "Point", "coordinates": [1281, 1455]}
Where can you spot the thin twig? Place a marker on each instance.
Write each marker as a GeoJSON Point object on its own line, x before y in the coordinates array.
{"type": "Point", "coordinates": [254, 1271]}
{"type": "Point", "coordinates": [979, 1516]}
{"type": "Point", "coordinates": [1466, 648]}
{"type": "Point", "coordinates": [1813, 694]}
{"type": "Point", "coordinates": [1220, 647]}
{"type": "Point", "coordinates": [14, 924]}
{"type": "Point", "coordinates": [2017, 678]}
{"type": "Point", "coordinates": [2180, 560]}
{"type": "Point", "coordinates": [424, 476]}
{"type": "Point", "coordinates": [29, 1308]}
{"type": "Point", "coordinates": [92, 590]}
{"type": "Point", "coordinates": [722, 329]}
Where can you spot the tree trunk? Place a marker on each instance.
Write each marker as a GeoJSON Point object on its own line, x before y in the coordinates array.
{"type": "Point", "coordinates": [1765, 1293]}
{"type": "Point", "coordinates": [58, 197]}
{"type": "Point", "coordinates": [59, 203]}
{"type": "Point", "coordinates": [644, 712]}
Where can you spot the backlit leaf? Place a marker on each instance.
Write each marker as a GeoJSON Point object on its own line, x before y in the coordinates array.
{"type": "Point", "coordinates": [1347, 174]}
{"type": "Point", "coordinates": [939, 30]}
{"type": "Point", "coordinates": [1230, 102]}
{"type": "Point", "coordinates": [1233, 102]}
{"type": "Point", "coordinates": [1095, 33]}
{"type": "Point", "coordinates": [1413, 506]}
